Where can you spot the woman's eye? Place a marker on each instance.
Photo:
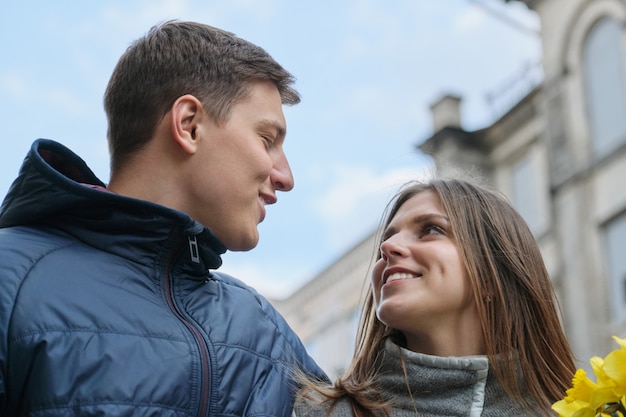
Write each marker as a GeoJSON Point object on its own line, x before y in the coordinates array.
{"type": "Point", "coordinates": [431, 229]}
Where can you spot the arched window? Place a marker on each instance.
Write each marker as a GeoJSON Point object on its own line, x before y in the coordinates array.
{"type": "Point", "coordinates": [605, 82]}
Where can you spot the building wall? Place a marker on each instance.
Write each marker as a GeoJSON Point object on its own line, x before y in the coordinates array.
{"type": "Point", "coordinates": [325, 311]}
{"type": "Point", "coordinates": [541, 153]}
{"type": "Point", "coordinates": [586, 191]}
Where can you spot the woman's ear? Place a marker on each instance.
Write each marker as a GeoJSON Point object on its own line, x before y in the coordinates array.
{"type": "Point", "coordinates": [186, 113]}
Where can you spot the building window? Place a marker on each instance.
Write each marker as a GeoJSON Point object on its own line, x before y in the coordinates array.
{"type": "Point", "coordinates": [615, 242]}
{"type": "Point", "coordinates": [605, 83]}
{"type": "Point", "coordinates": [528, 195]}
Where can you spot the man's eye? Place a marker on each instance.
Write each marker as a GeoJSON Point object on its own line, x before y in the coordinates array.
{"type": "Point", "coordinates": [269, 141]}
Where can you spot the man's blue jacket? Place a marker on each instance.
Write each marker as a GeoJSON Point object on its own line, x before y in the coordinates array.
{"type": "Point", "coordinates": [109, 307]}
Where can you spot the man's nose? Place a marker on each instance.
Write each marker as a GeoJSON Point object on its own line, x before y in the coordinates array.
{"type": "Point", "coordinates": [281, 176]}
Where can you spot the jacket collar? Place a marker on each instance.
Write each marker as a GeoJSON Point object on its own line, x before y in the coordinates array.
{"type": "Point", "coordinates": [50, 191]}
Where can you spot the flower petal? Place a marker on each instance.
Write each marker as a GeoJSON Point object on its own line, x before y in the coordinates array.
{"type": "Point", "coordinates": [582, 387]}
{"type": "Point", "coordinates": [615, 367]}
{"type": "Point", "coordinates": [570, 408]}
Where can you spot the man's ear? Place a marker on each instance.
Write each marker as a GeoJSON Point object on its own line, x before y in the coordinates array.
{"type": "Point", "coordinates": [186, 113]}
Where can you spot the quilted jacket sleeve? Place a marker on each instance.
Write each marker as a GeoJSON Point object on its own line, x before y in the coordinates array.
{"type": "Point", "coordinates": [2, 396]}
{"type": "Point", "coordinates": [9, 285]}
{"type": "Point", "coordinates": [20, 249]}
{"type": "Point", "coordinates": [11, 273]}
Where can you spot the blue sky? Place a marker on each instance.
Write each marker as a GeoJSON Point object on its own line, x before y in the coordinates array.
{"type": "Point", "coordinates": [368, 71]}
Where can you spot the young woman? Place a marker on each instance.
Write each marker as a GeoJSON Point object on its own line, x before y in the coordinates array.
{"type": "Point", "coordinates": [460, 318]}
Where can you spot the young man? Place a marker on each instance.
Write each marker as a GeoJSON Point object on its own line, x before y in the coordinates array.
{"type": "Point", "coordinates": [109, 304]}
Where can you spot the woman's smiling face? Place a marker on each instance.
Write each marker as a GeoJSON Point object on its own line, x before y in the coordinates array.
{"type": "Point", "coordinates": [420, 283]}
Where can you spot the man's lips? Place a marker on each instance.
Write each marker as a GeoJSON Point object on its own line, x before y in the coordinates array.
{"type": "Point", "coordinates": [265, 199]}
{"type": "Point", "coordinates": [268, 198]}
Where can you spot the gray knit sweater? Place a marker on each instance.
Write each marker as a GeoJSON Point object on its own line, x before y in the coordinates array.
{"type": "Point", "coordinates": [440, 386]}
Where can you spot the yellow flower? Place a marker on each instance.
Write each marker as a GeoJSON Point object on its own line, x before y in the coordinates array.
{"type": "Point", "coordinates": [615, 368]}
{"type": "Point", "coordinates": [578, 397]}
{"type": "Point", "coordinates": [611, 371]}
{"type": "Point", "coordinates": [573, 409]}
{"type": "Point", "coordinates": [582, 387]}
{"type": "Point", "coordinates": [606, 397]}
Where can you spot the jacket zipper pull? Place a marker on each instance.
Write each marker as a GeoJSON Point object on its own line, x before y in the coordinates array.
{"type": "Point", "coordinates": [193, 249]}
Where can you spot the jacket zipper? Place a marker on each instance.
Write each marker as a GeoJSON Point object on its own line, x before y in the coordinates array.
{"type": "Point", "coordinates": [202, 345]}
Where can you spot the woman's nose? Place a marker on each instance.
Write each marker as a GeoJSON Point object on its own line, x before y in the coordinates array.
{"type": "Point", "coordinates": [393, 247]}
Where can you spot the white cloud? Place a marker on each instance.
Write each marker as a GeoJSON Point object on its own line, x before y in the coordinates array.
{"type": "Point", "coordinates": [354, 47]}
{"type": "Point", "coordinates": [473, 18]}
{"type": "Point", "coordinates": [15, 85]}
{"type": "Point", "coordinates": [276, 279]}
{"type": "Point", "coordinates": [213, 13]}
{"type": "Point", "coordinates": [119, 17]}
{"type": "Point", "coordinates": [21, 88]}
{"type": "Point", "coordinates": [392, 109]}
{"type": "Point", "coordinates": [354, 205]}
{"type": "Point", "coordinates": [66, 101]}
{"type": "Point", "coordinates": [512, 16]}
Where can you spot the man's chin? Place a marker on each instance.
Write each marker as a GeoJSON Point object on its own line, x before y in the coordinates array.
{"type": "Point", "coordinates": [242, 245]}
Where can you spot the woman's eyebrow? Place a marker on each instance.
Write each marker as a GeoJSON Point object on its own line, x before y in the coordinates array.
{"type": "Point", "coordinates": [418, 219]}
{"type": "Point", "coordinates": [421, 218]}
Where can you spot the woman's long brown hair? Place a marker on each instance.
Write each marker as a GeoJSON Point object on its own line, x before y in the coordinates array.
{"type": "Point", "coordinates": [516, 303]}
